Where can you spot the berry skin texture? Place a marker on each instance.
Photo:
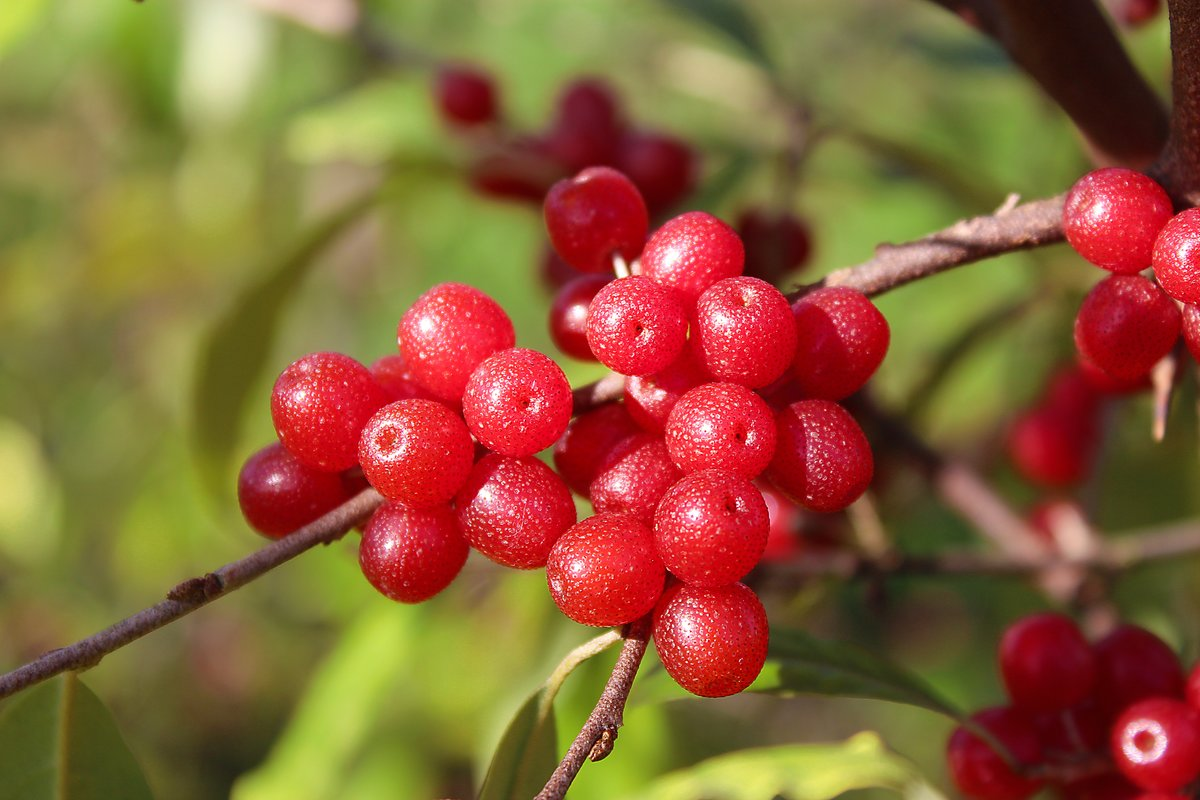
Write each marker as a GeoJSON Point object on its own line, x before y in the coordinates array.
{"type": "Point", "coordinates": [1133, 664]}
{"type": "Point", "coordinates": [447, 332]}
{"type": "Point", "coordinates": [1177, 256]}
{"type": "Point", "coordinates": [394, 377]}
{"type": "Point", "coordinates": [319, 406]}
{"type": "Point", "coordinates": [1156, 744]}
{"type": "Point", "coordinates": [1125, 325]}
{"type": "Point", "coordinates": [691, 252]}
{"type": "Point", "coordinates": [635, 326]}
{"type": "Point", "coordinates": [822, 459]}
{"type": "Point", "coordinates": [713, 642]}
{"type": "Point", "coordinates": [721, 426]}
{"type": "Point", "coordinates": [1112, 216]}
{"type": "Point", "coordinates": [650, 398]}
{"type": "Point", "coordinates": [597, 213]}
{"type": "Point", "coordinates": [514, 509]}
{"type": "Point", "coordinates": [590, 438]}
{"type": "Point", "coordinates": [517, 402]}
{"type": "Point", "coordinates": [410, 554]}
{"type": "Point", "coordinates": [841, 339]}
{"type": "Point", "coordinates": [465, 96]}
{"type": "Point", "coordinates": [711, 527]}
{"type": "Point", "coordinates": [1046, 663]}
{"type": "Point", "coordinates": [978, 771]}
{"type": "Point", "coordinates": [568, 316]}
{"type": "Point", "coordinates": [635, 476]}
{"type": "Point", "coordinates": [416, 452]}
{"type": "Point", "coordinates": [604, 571]}
{"type": "Point", "coordinates": [278, 494]}
{"type": "Point", "coordinates": [743, 331]}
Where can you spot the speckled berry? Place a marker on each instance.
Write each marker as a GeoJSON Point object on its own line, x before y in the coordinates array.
{"type": "Point", "coordinates": [841, 339]}
{"type": "Point", "coordinates": [410, 554]}
{"type": "Point", "coordinates": [594, 215]}
{"type": "Point", "coordinates": [588, 442]}
{"type": "Point", "coordinates": [416, 452]}
{"type": "Point", "coordinates": [517, 402]}
{"type": "Point", "coordinates": [721, 426]}
{"type": "Point", "coordinates": [604, 571]}
{"type": "Point", "coordinates": [447, 332]}
{"type": "Point", "coordinates": [979, 772]}
{"type": "Point", "coordinates": [712, 641]}
{"type": "Point", "coordinates": [1125, 325]}
{"type": "Point", "coordinates": [319, 406]}
{"type": "Point", "coordinates": [635, 326]}
{"type": "Point", "coordinates": [743, 331]}
{"type": "Point", "coordinates": [822, 459]}
{"type": "Point", "coordinates": [568, 316]}
{"type": "Point", "coordinates": [1046, 663]}
{"type": "Point", "coordinates": [650, 398]}
{"type": "Point", "coordinates": [278, 494]}
{"type": "Point", "coordinates": [691, 252]}
{"type": "Point", "coordinates": [1113, 215]}
{"type": "Point", "coordinates": [1177, 256]}
{"type": "Point", "coordinates": [635, 476]}
{"type": "Point", "coordinates": [1156, 743]}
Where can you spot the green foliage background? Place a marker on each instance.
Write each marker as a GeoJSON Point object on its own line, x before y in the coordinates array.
{"type": "Point", "coordinates": [168, 177]}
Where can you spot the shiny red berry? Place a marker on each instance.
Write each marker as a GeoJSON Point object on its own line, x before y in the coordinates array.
{"type": "Point", "coordinates": [1177, 256]}
{"type": "Point", "coordinates": [395, 378]}
{"type": "Point", "coordinates": [1046, 663]}
{"type": "Point", "coordinates": [568, 316]}
{"type": "Point", "coordinates": [979, 772]}
{"type": "Point", "coordinates": [590, 438]}
{"type": "Point", "coordinates": [721, 426]}
{"type": "Point", "coordinates": [691, 252]}
{"type": "Point", "coordinates": [1133, 664]}
{"type": "Point", "coordinates": [634, 477]}
{"type": "Point", "coordinates": [595, 215]}
{"type": "Point", "coordinates": [517, 402]}
{"type": "Point", "coordinates": [416, 452]}
{"type": "Point", "coordinates": [1191, 330]}
{"type": "Point", "coordinates": [278, 494]}
{"type": "Point", "coordinates": [1113, 215]}
{"type": "Point", "coordinates": [822, 458]}
{"type": "Point", "coordinates": [410, 554]}
{"type": "Point", "coordinates": [1156, 743]}
{"type": "Point", "coordinates": [636, 327]}
{"type": "Point", "coordinates": [650, 398]}
{"type": "Point", "coordinates": [841, 339]}
{"type": "Point", "coordinates": [1125, 325]}
{"type": "Point", "coordinates": [465, 96]}
{"type": "Point", "coordinates": [743, 331]}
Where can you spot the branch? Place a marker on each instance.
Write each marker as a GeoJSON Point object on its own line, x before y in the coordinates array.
{"type": "Point", "coordinates": [192, 594]}
{"type": "Point", "coordinates": [596, 738]}
{"type": "Point", "coordinates": [1179, 167]}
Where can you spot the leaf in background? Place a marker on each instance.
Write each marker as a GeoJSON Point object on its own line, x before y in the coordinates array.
{"type": "Point", "coordinates": [730, 18]}
{"type": "Point", "coordinates": [724, 182]}
{"type": "Point", "coordinates": [798, 772]}
{"type": "Point", "coordinates": [16, 18]}
{"type": "Point", "coordinates": [528, 750]}
{"type": "Point", "coordinates": [237, 350]}
{"type": "Point", "coordinates": [58, 741]}
{"type": "Point", "coordinates": [798, 663]}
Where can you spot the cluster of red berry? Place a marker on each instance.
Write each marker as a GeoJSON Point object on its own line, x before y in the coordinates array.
{"type": "Point", "coordinates": [1112, 720]}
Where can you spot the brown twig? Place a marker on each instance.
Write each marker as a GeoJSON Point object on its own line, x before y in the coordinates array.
{"type": "Point", "coordinates": [191, 594]}
{"type": "Point", "coordinates": [1179, 166]}
{"type": "Point", "coordinates": [596, 738]}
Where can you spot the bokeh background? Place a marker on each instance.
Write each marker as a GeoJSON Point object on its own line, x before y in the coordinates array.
{"type": "Point", "coordinates": [168, 173]}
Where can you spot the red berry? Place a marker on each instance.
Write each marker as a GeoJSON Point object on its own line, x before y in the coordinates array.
{"type": "Point", "coordinates": [587, 125]}
{"type": "Point", "coordinates": [568, 316]}
{"type": "Point", "coordinates": [713, 641]}
{"type": "Point", "coordinates": [636, 327]}
{"type": "Point", "coordinates": [319, 406]}
{"type": "Point", "coordinates": [1192, 689]}
{"type": "Point", "coordinates": [634, 477]}
{"type": "Point", "coordinates": [1133, 664]}
{"type": "Point", "coordinates": [1105, 786]}
{"type": "Point", "coordinates": [1046, 663]}
{"type": "Point", "coordinates": [465, 96]}
{"type": "Point", "coordinates": [604, 571]}
{"type": "Point", "coordinates": [743, 331]}
{"type": "Point", "coordinates": [1133, 13]}
{"type": "Point", "coordinates": [1111, 217]}
{"type": "Point", "coordinates": [416, 452]}
{"type": "Point", "coordinates": [650, 398]}
{"type": "Point", "coordinates": [841, 339]}
{"type": "Point", "coordinates": [822, 459]}
{"type": "Point", "coordinates": [662, 167]}
{"type": "Point", "coordinates": [554, 272]}
{"type": "Point", "coordinates": [721, 426]}
{"type": "Point", "coordinates": [517, 402]}
{"type": "Point", "coordinates": [513, 510]}
{"type": "Point", "coordinates": [691, 252]}
{"type": "Point", "coordinates": [588, 442]}
{"type": "Point", "coordinates": [783, 538]}
{"type": "Point", "coordinates": [979, 772]}
{"type": "Point", "coordinates": [447, 332]}
{"type": "Point", "coordinates": [394, 377]}
{"type": "Point", "coordinates": [595, 215]}
{"type": "Point", "coordinates": [710, 528]}
{"type": "Point", "coordinates": [775, 244]}
{"type": "Point", "coordinates": [522, 170]}
{"type": "Point", "coordinates": [1156, 743]}
{"type": "Point", "coordinates": [1177, 256]}
{"type": "Point", "coordinates": [410, 554]}
{"type": "Point", "coordinates": [278, 494]}
{"type": "Point", "coordinates": [1052, 449]}
{"type": "Point", "coordinates": [1125, 325]}
{"type": "Point", "coordinates": [1191, 329]}
{"type": "Point", "coordinates": [1066, 735]}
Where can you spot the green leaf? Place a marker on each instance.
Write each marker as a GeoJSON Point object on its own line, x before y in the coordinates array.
{"type": "Point", "coordinates": [799, 663]}
{"type": "Point", "coordinates": [58, 741]}
{"type": "Point", "coordinates": [730, 18]}
{"type": "Point", "coordinates": [722, 184]}
{"type": "Point", "coordinates": [797, 772]}
{"type": "Point", "coordinates": [237, 349]}
{"type": "Point", "coordinates": [528, 750]}
{"type": "Point", "coordinates": [17, 17]}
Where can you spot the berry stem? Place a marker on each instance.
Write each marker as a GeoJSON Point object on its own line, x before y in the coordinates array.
{"type": "Point", "coordinates": [1179, 166]}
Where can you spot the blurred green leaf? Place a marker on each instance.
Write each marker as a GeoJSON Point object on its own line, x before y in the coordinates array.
{"type": "Point", "coordinates": [16, 18]}
{"type": "Point", "coordinates": [237, 349]}
{"type": "Point", "coordinates": [799, 663]}
{"type": "Point", "coordinates": [730, 18]}
{"type": "Point", "coordinates": [725, 182]}
{"type": "Point", "coordinates": [58, 741]}
{"type": "Point", "coordinates": [798, 772]}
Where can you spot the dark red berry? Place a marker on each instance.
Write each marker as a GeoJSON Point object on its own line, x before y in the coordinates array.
{"type": "Point", "coordinates": [447, 332]}
{"type": "Point", "coordinates": [1113, 215]}
{"type": "Point", "coordinates": [568, 316]}
{"type": "Point", "coordinates": [554, 272]}
{"type": "Point", "coordinates": [1133, 664]}
{"type": "Point", "coordinates": [691, 252]}
{"type": "Point", "coordinates": [743, 331]}
{"type": "Point", "coordinates": [396, 380]}
{"type": "Point", "coordinates": [1191, 330]}
{"type": "Point", "coordinates": [841, 339]}
{"type": "Point", "coordinates": [1177, 256]}
{"type": "Point", "coordinates": [410, 554]}
{"type": "Point", "coordinates": [595, 215]}
{"type": "Point", "coordinates": [650, 398]}
{"type": "Point", "coordinates": [589, 440]}
{"type": "Point", "coordinates": [465, 96]}
{"type": "Point", "coordinates": [1068, 734]}
{"type": "Point", "coordinates": [521, 170]}
{"type": "Point", "coordinates": [1106, 786]}
{"type": "Point", "coordinates": [517, 402]}
{"type": "Point", "coordinates": [1046, 663]}
{"type": "Point", "coordinates": [514, 509]}
{"type": "Point", "coordinates": [1125, 325]}
{"type": "Point", "coordinates": [1052, 449]}
{"type": "Point", "coordinates": [783, 538]}
{"type": "Point", "coordinates": [278, 494]}
{"type": "Point", "coordinates": [979, 772]}
{"type": "Point", "coordinates": [416, 452]}
{"type": "Point", "coordinates": [822, 459]}
{"type": "Point", "coordinates": [721, 426]}
{"type": "Point", "coordinates": [775, 244]}
{"type": "Point", "coordinates": [636, 327]}
{"type": "Point", "coordinates": [587, 125]}
{"type": "Point", "coordinates": [319, 406]}
{"type": "Point", "coordinates": [1192, 688]}
{"type": "Point", "coordinates": [634, 477]}
{"type": "Point", "coordinates": [1156, 743]}
{"type": "Point", "coordinates": [662, 167]}
{"type": "Point", "coordinates": [604, 571]}
{"type": "Point", "coordinates": [712, 641]}
{"type": "Point", "coordinates": [1133, 13]}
